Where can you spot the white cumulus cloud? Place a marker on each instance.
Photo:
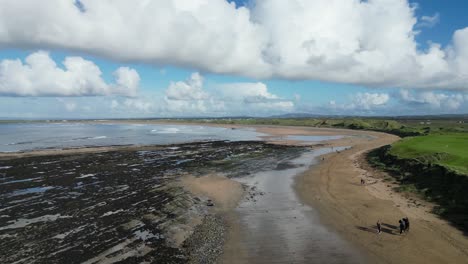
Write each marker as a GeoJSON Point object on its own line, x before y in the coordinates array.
{"type": "Point", "coordinates": [434, 100]}
{"type": "Point", "coordinates": [362, 102]}
{"type": "Point", "coordinates": [191, 89]}
{"type": "Point", "coordinates": [191, 97]}
{"type": "Point", "coordinates": [429, 21]}
{"type": "Point", "coordinates": [369, 100]}
{"type": "Point", "coordinates": [139, 105]}
{"type": "Point", "coordinates": [246, 91]}
{"type": "Point", "coordinates": [39, 75]}
{"type": "Point", "coordinates": [351, 41]}
{"type": "Point", "coordinates": [70, 106]}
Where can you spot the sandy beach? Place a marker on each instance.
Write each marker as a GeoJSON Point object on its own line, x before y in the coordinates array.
{"type": "Point", "coordinates": [352, 210]}
{"type": "Point", "coordinates": [333, 188]}
{"type": "Point", "coordinates": [330, 191]}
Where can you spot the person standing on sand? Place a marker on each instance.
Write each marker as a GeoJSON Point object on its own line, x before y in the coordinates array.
{"type": "Point", "coordinates": [406, 220]}
{"type": "Point", "coordinates": [402, 226]}
{"type": "Point", "coordinates": [379, 227]}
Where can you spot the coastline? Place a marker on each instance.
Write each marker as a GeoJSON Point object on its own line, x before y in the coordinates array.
{"type": "Point", "coordinates": [332, 187]}
{"type": "Point", "coordinates": [125, 204]}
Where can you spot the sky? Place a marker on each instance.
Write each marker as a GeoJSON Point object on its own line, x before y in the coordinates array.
{"type": "Point", "coordinates": [216, 58]}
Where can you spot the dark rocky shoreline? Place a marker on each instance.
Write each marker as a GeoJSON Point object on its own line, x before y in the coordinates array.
{"type": "Point", "coordinates": [114, 206]}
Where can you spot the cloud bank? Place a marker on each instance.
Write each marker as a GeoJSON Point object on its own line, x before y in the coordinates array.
{"type": "Point", "coordinates": [369, 43]}
{"type": "Point", "coordinates": [361, 102]}
{"type": "Point", "coordinates": [434, 100]}
{"type": "Point", "coordinates": [39, 75]}
{"type": "Point", "coordinates": [191, 98]}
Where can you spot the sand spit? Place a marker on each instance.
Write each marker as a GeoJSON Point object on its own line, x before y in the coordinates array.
{"type": "Point", "coordinates": [272, 225]}
{"type": "Point", "coordinates": [225, 193]}
{"type": "Point", "coordinates": [221, 195]}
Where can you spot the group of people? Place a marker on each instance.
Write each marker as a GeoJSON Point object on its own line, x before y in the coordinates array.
{"type": "Point", "coordinates": [404, 225]}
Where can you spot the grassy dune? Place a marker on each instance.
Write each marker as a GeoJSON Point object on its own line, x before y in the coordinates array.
{"type": "Point", "coordinates": [449, 150]}
{"type": "Point", "coordinates": [434, 166]}
{"type": "Point", "coordinates": [389, 126]}
{"type": "Point", "coordinates": [400, 127]}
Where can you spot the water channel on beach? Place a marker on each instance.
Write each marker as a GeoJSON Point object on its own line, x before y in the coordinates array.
{"type": "Point", "coordinates": [82, 221]}
{"type": "Point", "coordinates": [276, 227]}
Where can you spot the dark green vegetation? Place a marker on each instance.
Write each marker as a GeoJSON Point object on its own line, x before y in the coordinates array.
{"type": "Point", "coordinates": [399, 127]}
{"type": "Point", "coordinates": [434, 166]}
{"type": "Point", "coordinates": [364, 124]}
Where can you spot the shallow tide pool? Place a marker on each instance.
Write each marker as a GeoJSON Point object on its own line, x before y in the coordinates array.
{"type": "Point", "coordinates": [276, 227]}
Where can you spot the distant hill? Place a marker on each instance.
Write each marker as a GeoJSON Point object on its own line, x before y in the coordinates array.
{"type": "Point", "coordinates": [298, 115]}
{"type": "Point", "coordinates": [415, 117]}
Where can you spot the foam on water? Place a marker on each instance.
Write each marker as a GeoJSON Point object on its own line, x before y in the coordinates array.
{"type": "Point", "coordinates": [99, 137]}
{"type": "Point", "coordinates": [169, 130]}
{"type": "Point", "coordinates": [25, 136]}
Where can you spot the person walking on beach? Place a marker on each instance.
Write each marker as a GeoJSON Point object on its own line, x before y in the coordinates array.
{"type": "Point", "coordinates": [402, 226]}
{"type": "Point", "coordinates": [406, 220]}
{"type": "Point", "coordinates": [379, 227]}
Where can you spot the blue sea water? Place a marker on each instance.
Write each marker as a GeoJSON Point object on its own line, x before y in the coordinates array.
{"type": "Point", "coordinates": [31, 136]}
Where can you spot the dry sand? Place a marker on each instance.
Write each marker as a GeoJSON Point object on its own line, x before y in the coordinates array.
{"type": "Point", "coordinates": [333, 188]}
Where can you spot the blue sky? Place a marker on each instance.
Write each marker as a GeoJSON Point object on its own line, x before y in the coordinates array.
{"type": "Point", "coordinates": [259, 73]}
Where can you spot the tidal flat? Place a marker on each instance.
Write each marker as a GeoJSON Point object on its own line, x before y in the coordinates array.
{"type": "Point", "coordinates": [118, 206]}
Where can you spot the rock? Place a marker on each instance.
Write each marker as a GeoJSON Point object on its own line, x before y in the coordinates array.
{"type": "Point", "coordinates": [206, 242]}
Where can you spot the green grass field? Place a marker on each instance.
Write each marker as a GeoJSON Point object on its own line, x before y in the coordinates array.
{"type": "Point", "coordinates": [449, 150]}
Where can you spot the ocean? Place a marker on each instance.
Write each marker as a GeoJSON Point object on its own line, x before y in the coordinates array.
{"type": "Point", "coordinates": [16, 137]}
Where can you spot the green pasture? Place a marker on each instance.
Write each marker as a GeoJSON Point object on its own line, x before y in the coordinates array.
{"type": "Point", "coordinates": [449, 150]}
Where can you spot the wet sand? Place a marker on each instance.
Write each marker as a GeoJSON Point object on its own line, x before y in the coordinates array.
{"type": "Point", "coordinates": [273, 226]}
{"type": "Point", "coordinates": [334, 205]}
{"type": "Point", "coordinates": [333, 188]}
{"type": "Point", "coordinates": [224, 192]}
{"type": "Point", "coordinates": [122, 205]}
